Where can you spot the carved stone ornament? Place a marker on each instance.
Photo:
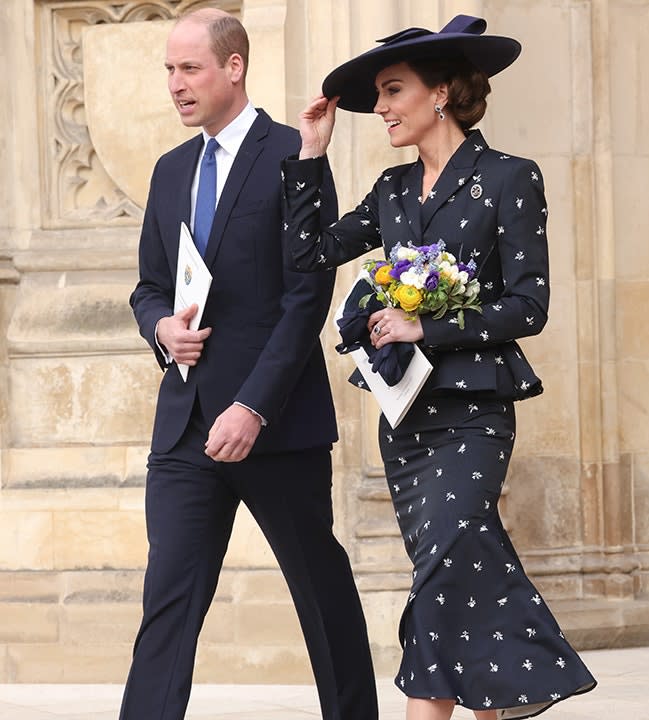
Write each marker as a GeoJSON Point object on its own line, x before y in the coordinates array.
{"type": "Point", "coordinates": [105, 121]}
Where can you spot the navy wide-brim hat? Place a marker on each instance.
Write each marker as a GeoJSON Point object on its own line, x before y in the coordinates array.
{"type": "Point", "coordinates": [463, 37]}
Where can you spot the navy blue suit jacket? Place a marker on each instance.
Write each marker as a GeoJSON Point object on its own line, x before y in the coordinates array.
{"type": "Point", "coordinates": [264, 350]}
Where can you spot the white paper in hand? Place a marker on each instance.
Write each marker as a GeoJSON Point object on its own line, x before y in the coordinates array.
{"type": "Point", "coordinates": [193, 281]}
{"type": "Point", "coordinates": [394, 400]}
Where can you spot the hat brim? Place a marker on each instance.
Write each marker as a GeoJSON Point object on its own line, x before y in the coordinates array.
{"type": "Point", "coordinates": [354, 81]}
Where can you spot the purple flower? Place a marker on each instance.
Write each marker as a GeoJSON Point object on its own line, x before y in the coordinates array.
{"type": "Point", "coordinates": [401, 267]}
{"type": "Point", "coordinates": [432, 280]}
{"type": "Point", "coordinates": [469, 269]}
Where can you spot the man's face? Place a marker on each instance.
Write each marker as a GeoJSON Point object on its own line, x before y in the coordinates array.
{"type": "Point", "coordinates": [204, 93]}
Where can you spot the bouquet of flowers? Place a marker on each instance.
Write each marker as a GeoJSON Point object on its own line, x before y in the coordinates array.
{"type": "Point", "coordinates": [425, 279]}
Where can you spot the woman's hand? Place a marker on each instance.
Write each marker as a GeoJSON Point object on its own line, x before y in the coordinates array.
{"type": "Point", "coordinates": [316, 125]}
{"type": "Point", "coordinates": [393, 325]}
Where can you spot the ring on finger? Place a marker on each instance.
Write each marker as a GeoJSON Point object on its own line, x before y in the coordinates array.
{"type": "Point", "coordinates": [377, 329]}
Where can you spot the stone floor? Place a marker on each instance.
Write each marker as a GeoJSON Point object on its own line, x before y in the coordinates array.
{"type": "Point", "coordinates": [622, 694]}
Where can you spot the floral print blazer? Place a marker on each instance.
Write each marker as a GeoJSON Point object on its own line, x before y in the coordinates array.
{"type": "Point", "coordinates": [485, 205]}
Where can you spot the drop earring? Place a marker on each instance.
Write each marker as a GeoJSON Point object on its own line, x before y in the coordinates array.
{"type": "Point", "coordinates": [438, 110]}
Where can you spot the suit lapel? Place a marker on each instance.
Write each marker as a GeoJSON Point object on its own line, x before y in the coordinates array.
{"type": "Point", "coordinates": [456, 173]}
{"type": "Point", "coordinates": [248, 152]}
{"type": "Point", "coordinates": [410, 193]}
{"type": "Point", "coordinates": [185, 178]}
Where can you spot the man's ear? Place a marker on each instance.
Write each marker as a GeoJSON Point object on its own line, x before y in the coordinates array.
{"type": "Point", "coordinates": [235, 66]}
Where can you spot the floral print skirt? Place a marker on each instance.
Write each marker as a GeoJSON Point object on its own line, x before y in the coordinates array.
{"type": "Point", "coordinates": [474, 628]}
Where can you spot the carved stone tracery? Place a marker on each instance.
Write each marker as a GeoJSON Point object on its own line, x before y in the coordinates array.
{"type": "Point", "coordinates": [77, 190]}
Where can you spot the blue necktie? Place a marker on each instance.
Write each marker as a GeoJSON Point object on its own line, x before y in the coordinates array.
{"type": "Point", "coordinates": [206, 197]}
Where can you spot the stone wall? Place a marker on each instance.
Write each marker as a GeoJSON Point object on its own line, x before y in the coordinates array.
{"type": "Point", "coordinates": [85, 114]}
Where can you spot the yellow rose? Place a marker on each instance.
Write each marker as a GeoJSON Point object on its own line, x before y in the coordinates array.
{"type": "Point", "coordinates": [383, 276]}
{"type": "Point", "coordinates": [409, 297]}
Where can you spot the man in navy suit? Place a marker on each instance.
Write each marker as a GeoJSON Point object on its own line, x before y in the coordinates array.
{"type": "Point", "coordinates": [254, 422]}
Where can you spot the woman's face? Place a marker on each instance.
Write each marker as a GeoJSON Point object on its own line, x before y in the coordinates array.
{"type": "Point", "coordinates": [405, 104]}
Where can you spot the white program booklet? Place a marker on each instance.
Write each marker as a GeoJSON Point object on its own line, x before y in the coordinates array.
{"type": "Point", "coordinates": [394, 400]}
{"type": "Point", "coordinates": [193, 281]}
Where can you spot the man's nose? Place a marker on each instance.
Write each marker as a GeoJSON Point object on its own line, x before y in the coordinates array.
{"type": "Point", "coordinates": [175, 82]}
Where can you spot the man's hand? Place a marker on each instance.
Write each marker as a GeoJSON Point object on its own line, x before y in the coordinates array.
{"type": "Point", "coordinates": [233, 434]}
{"type": "Point", "coordinates": [184, 345]}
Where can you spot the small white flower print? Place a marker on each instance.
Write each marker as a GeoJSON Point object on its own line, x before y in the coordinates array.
{"type": "Point", "coordinates": [397, 219]}
{"type": "Point", "coordinates": [555, 696]}
{"type": "Point", "coordinates": [498, 636]}
{"type": "Point", "coordinates": [519, 203]}
{"type": "Point", "coordinates": [501, 230]}
{"type": "Point", "coordinates": [502, 602]}
{"type": "Point", "coordinates": [365, 222]}
{"type": "Point", "coordinates": [386, 178]}
{"type": "Point", "coordinates": [434, 636]}
{"type": "Point", "coordinates": [417, 436]}
{"type": "Point", "coordinates": [484, 528]}
{"type": "Point", "coordinates": [465, 635]}
{"type": "Point", "coordinates": [476, 475]}
{"type": "Point", "coordinates": [472, 603]}
{"type": "Point", "coordinates": [478, 148]}
{"type": "Point", "coordinates": [433, 550]}
{"type": "Point", "coordinates": [402, 682]}
{"type": "Point", "coordinates": [488, 202]}
{"type": "Point", "coordinates": [432, 668]}
{"type": "Point", "coordinates": [461, 181]}
{"type": "Point", "coordinates": [504, 157]}
{"type": "Point", "coordinates": [463, 223]}
{"type": "Point", "coordinates": [484, 335]}
{"type": "Point", "coordinates": [487, 504]}
{"type": "Point", "coordinates": [477, 358]}
{"type": "Point", "coordinates": [412, 676]}
{"type": "Point", "coordinates": [462, 449]}
{"type": "Point", "coordinates": [458, 668]}
{"type": "Point", "coordinates": [415, 482]}
{"type": "Point", "coordinates": [322, 259]}
{"type": "Point", "coordinates": [520, 255]}
{"type": "Point", "coordinates": [487, 702]}
{"type": "Point", "coordinates": [490, 431]}
{"type": "Point", "coordinates": [561, 663]}
{"type": "Point", "coordinates": [497, 307]}
{"type": "Point", "coordinates": [391, 196]}
{"type": "Point", "coordinates": [493, 667]}
{"type": "Point", "coordinates": [317, 203]}
{"type": "Point", "coordinates": [300, 185]}
{"type": "Point", "coordinates": [403, 461]}
{"type": "Point", "coordinates": [397, 489]}
{"type": "Point", "coordinates": [489, 285]}
{"type": "Point", "coordinates": [405, 192]}
{"type": "Point", "coordinates": [540, 282]}
{"type": "Point", "coordinates": [501, 455]}
{"type": "Point", "coordinates": [510, 567]}
{"type": "Point", "coordinates": [438, 473]}
{"type": "Point", "coordinates": [304, 235]}
{"type": "Point", "coordinates": [440, 599]}
{"type": "Point", "coordinates": [528, 665]}
{"type": "Point", "coordinates": [524, 385]}
{"type": "Point", "coordinates": [540, 231]}
{"type": "Point", "coordinates": [477, 566]}
{"type": "Point", "coordinates": [431, 451]}
{"type": "Point", "coordinates": [460, 384]}
{"type": "Point", "coordinates": [535, 175]}
{"type": "Point", "coordinates": [423, 500]}
{"type": "Point", "coordinates": [389, 438]}
{"type": "Point", "coordinates": [448, 562]}
{"type": "Point", "coordinates": [473, 408]}
{"type": "Point", "coordinates": [462, 524]}
{"type": "Point", "coordinates": [499, 360]}
{"type": "Point", "coordinates": [531, 632]}
{"type": "Point", "coordinates": [522, 699]}
{"type": "Point", "coordinates": [432, 410]}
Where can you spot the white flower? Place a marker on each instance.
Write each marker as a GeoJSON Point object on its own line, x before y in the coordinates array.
{"type": "Point", "coordinates": [414, 278]}
{"type": "Point", "coordinates": [407, 253]}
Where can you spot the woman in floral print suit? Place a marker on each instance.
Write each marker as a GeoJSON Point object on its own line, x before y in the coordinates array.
{"type": "Point", "coordinates": [475, 632]}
